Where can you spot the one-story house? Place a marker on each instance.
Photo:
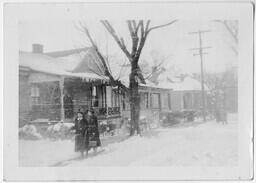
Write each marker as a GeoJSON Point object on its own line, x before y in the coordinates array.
{"type": "Point", "coordinates": [54, 86]}
{"type": "Point", "coordinates": [186, 94]}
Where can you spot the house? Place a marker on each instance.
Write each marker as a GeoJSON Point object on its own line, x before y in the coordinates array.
{"type": "Point", "coordinates": [186, 94]}
{"type": "Point", "coordinates": [24, 95]}
{"type": "Point", "coordinates": [153, 101]}
{"type": "Point", "coordinates": [54, 86]}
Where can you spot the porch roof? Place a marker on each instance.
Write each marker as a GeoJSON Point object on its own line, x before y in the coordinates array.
{"type": "Point", "coordinates": [56, 66]}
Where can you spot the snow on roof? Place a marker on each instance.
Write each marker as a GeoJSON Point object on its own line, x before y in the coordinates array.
{"type": "Point", "coordinates": [153, 85]}
{"type": "Point", "coordinates": [188, 84]}
{"type": "Point", "coordinates": [56, 66]}
{"type": "Point", "coordinates": [64, 53]}
{"type": "Point", "coordinates": [70, 62]}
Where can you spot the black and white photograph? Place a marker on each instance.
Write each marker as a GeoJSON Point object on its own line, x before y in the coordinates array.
{"type": "Point", "coordinates": [128, 91]}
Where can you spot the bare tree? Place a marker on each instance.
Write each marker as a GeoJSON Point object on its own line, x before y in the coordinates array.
{"type": "Point", "coordinates": [232, 27]}
{"type": "Point", "coordinates": [139, 31]}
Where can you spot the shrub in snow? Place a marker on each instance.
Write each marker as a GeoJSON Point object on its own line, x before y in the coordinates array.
{"type": "Point", "coordinates": [60, 131]}
{"type": "Point", "coordinates": [29, 132]}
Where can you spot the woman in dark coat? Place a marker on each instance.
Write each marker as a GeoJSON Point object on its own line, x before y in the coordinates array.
{"type": "Point", "coordinates": [80, 130]}
{"type": "Point", "coordinates": [93, 134]}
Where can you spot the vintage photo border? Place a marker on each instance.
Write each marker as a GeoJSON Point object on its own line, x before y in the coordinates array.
{"type": "Point", "coordinates": [211, 10]}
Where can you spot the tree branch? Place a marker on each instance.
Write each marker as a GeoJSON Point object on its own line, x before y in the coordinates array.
{"type": "Point", "coordinates": [103, 61]}
{"type": "Point", "coordinates": [234, 50]}
{"type": "Point", "coordinates": [145, 32]}
{"type": "Point", "coordinates": [160, 26]}
{"type": "Point", "coordinates": [156, 68]}
{"type": "Point", "coordinates": [133, 28]}
{"type": "Point", "coordinates": [120, 42]}
{"type": "Point", "coordinates": [233, 33]}
{"type": "Point", "coordinates": [143, 38]}
{"type": "Point", "coordinates": [97, 65]}
{"type": "Point", "coordinates": [147, 26]}
{"type": "Point", "coordinates": [153, 72]}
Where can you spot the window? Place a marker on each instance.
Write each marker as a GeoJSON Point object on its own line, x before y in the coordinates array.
{"type": "Point", "coordinates": [187, 101]}
{"type": "Point", "coordinates": [95, 96]}
{"type": "Point", "coordinates": [123, 101]}
{"type": "Point", "coordinates": [34, 93]}
{"type": "Point", "coordinates": [115, 98]}
{"type": "Point", "coordinates": [68, 105]}
{"type": "Point", "coordinates": [169, 101]}
{"type": "Point", "coordinates": [165, 102]}
{"type": "Point", "coordinates": [155, 100]}
{"type": "Point", "coordinates": [197, 100]}
{"type": "Point", "coordinates": [98, 96]}
{"type": "Point", "coordinates": [144, 100]}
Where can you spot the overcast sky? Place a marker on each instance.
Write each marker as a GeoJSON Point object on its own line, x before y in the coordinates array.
{"type": "Point", "coordinates": [173, 42]}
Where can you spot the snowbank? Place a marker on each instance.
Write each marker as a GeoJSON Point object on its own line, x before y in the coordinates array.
{"type": "Point", "coordinates": [54, 132]}
{"type": "Point", "coordinates": [60, 131]}
{"type": "Point", "coordinates": [29, 132]}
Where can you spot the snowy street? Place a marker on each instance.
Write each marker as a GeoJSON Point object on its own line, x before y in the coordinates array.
{"type": "Point", "coordinates": [193, 144]}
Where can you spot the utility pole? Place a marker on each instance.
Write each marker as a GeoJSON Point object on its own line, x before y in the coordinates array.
{"type": "Point", "coordinates": [201, 53]}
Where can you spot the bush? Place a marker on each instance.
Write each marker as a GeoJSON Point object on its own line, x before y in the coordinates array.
{"type": "Point", "coordinates": [59, 131]}
{"type": "Point", "coordinates": [29, 132]}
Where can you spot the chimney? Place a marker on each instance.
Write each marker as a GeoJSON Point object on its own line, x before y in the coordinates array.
{"type": "Point", "coordinates": [37, 48]}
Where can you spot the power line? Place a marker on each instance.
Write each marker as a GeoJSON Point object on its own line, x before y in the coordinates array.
{"type": "Point", "coordinates": [201, 53]}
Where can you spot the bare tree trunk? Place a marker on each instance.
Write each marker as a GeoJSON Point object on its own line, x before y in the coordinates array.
{"type": "Point", "coordinates": [134, 102]}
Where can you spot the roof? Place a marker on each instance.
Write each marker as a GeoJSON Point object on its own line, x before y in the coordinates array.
{"type": "Point", "coordinates": [57, 66]}
{"type": "Point", "coordinates": [188, 84]}
{"type": "Point", "coordinates": [64, 53]}
{"type": "Point", "coordinates": [153, 85]}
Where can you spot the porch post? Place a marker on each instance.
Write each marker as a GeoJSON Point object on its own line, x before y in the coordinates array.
{"type": "Point", "coordinates": [62, 112]}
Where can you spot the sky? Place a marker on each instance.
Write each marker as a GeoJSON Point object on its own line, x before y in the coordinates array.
{"type": "Point", "coordinates": [57, 32]}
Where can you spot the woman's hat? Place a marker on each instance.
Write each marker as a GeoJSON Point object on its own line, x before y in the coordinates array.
{"type": "Point", "coordinates": [79, 112]}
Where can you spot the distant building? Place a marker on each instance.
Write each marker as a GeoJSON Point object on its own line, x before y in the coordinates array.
{"type": "Point", "coordinates": [186, 94]}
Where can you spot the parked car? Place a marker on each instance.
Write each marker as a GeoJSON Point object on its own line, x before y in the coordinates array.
{"type": "Point", "coordinates": [174, 117]}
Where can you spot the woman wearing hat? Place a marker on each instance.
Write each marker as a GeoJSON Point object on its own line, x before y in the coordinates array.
{"type": "Point", "coordinates": [80, 130]}
{"type": "Point", "coordinates": [93, 131]}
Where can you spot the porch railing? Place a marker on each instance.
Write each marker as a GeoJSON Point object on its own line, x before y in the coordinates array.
{"type": "Point", "coordinates": [100, 111]}
{"type": "Point", "coordinates": [113, 111]}
{"type": "Point", "coordinates": [52, 112]}
{"type": "Point", "coordinates": [105, 112]}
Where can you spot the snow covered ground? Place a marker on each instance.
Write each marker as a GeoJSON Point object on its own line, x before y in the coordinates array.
{"type": "Point", "coordinates": [194, 144]}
